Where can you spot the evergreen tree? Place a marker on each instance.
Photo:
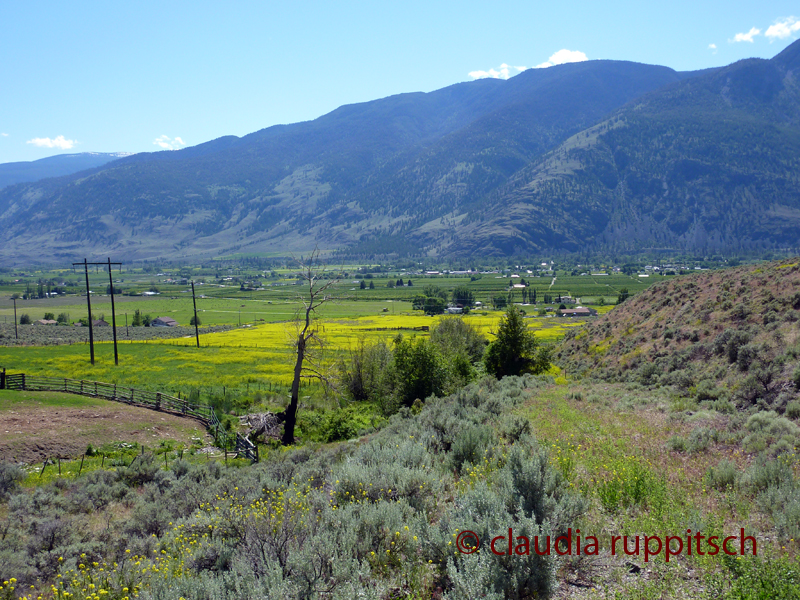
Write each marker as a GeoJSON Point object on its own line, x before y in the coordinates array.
{"type": "Point", "coordinates": [515, 350]}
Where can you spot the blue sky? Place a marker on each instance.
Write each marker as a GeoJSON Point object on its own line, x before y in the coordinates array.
{"type": "Point", "coordinates": [142, 76]}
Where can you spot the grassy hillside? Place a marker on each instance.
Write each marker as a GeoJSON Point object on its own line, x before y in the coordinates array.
{"type": "Point", "coordinates": [730, 335]}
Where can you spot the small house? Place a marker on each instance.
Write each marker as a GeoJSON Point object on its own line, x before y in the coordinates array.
{"type": "Point", "coordinates": [99, 323]}
{"type": "Point", "coordinates": [163, 322]}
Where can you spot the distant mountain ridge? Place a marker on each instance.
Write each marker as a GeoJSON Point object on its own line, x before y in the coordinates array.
{"type": "Point", "coordinates": [54, 166]}
{"type": "Point", "coordinates": [608, 155]}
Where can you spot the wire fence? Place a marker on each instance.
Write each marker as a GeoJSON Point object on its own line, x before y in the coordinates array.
{"type": "Point", "coordinates": [135, 397]}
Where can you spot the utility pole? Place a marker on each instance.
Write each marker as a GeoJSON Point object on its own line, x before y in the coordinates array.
{"type": "Point", "coordinates": [86, 264]}
{"type": "Point", "coordinates": [196, 330]}
{"type": "Point", "coordinates": [16, 335]}
{"type": "Point", "coordinates": [89, 304]}
{"type": "Point", "coordinates": [113, 315]}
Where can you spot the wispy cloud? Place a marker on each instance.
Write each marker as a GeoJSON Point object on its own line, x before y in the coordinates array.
{"type": "Point", "coordinates": [746, 37]}
{"type": "Point", "coordinates": [60, 142]}
{"type": "Point", "coordinates": [504, 71]}
{"type": "Point", "coordinates": [782, 28]}
{"type": "Point", "coordinates": [561, 57]}
{"type": "Point", "coordinates": [4, 134]}
{"type": "Point", "coordinates": [168, 143]}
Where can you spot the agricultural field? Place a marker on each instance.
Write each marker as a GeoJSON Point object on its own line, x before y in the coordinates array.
{"type": "Point", "coordinates": [276, 299]}
{"type": "Point", "coordinates": [242, 361]}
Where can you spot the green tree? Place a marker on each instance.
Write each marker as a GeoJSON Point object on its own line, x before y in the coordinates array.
{"type": "Point", "coordinates": [515, 350]}
{"type": "Point", "coordinates": [372, 285]}
{"type": "Point", "coordinates": [192, 321]}
{"type": "Point", "coordinates": [623, 295]}
{"type": "Point", "coordinates": [63, 318]}
{"type": "Point", "coordinates": [363, 285]}
{"type": "Point", "coordinates": [420, 369]}
{"type": "Point", "coordinates": [455, 336]}
{"type": "Point", "coordinates": [24, 319]}
{"type": "Point", "coordinates": [429, 305]}
{"type": "Point", "coordinates": [50, 316]}
{"type": "Point", "coordinates": [137, 318]}
{"type": "Point", "coordinates": [499, 302]}
{"type": "Point", "coordinates": [463, 295]}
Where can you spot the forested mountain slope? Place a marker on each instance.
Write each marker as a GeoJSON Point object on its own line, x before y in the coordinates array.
{"type": "Point", "coordinates": [600, 155]}
{"type": "Point", "coordinates": [708, 163]}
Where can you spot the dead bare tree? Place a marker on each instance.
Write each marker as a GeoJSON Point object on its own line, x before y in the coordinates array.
{"type": "Point", "coordinates": [308, 343]}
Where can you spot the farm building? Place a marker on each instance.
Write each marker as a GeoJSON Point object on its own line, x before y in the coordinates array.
{"type": "Point", "coordinates": [99, 323]}
{"type": "Point", "coordinates": [164, 322]}
{"type": "Point", "coordinates": [45, 322]}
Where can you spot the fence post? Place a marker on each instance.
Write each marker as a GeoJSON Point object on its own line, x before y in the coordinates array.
{"type": "Point", "coordinates": [3, 379]}
{"type": "Point", "coordinates": [23, 382]}
{"type": "Point", "coordinates": [158, 400]}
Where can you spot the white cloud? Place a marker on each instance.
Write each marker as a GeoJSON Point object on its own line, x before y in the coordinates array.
{"type": "Point", "coordinates": [169, 144]}
{"type": "Point", "coordinates": [713, 48]}
{"type": "Point", "coordinates": [4, 134]}
{"type": "Point", "coordinates": [505, 71]}
{"type": "Point", "coordinates": [561, 57]}
{"type": "Point", "coordinates": [60, 142]}
{"type": "Point", "coordinates": [746, 37]}
{"type": "Point", "coordinates": [782, 28]}
{"type": "Point", "coordinates": [502, 72]}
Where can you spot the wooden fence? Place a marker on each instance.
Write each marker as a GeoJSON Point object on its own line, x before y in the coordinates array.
{"type": "Point", "coordinates": [128, 395]}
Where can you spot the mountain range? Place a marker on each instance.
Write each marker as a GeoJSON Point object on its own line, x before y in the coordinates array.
{"type": "Point", "coordinates": [54, 166]}
{"type": "Point", "coordinates": [590, 156]}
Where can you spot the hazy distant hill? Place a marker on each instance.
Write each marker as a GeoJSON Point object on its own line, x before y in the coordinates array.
{"type": "Point", "coordinates": [54, 166]}
{"type": "Point", "coordinates": [600, 154]}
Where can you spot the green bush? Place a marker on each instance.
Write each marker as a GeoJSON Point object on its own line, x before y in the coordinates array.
{"type": "Point", "coordinates": [10, 476]}
{"type": "Point", "coordinates": [700, 439]}
{"type": "Point", "coordinates": [470, 446]}
{"type": "Point", "coordinates": [793, 410]}
{"type": "Point", "coordinates": [763, 579]}
{"type": "Point", "coordinates": [722, 476]}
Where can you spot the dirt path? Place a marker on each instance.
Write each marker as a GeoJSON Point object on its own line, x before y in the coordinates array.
{"type": "Point", "coordinates": [29, 433]}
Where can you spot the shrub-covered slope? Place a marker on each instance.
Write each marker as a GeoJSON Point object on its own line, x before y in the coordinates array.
{"type": "Point", "coordinates": [376, 520]}
{"type": "Point", "coordinates": [726, 336]}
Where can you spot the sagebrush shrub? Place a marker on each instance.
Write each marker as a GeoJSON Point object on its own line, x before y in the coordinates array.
{"type": "Point", "coordinates": [722, 476]}
{"type": "Point", "coordinates": [10, 476]}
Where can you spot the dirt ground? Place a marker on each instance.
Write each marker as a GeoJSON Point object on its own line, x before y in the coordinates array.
{"type": "Point", "coordinates": [29, 434]}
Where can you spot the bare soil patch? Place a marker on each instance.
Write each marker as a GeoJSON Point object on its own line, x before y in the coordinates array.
{"type": "Point", "coordinates": [30, 433]}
